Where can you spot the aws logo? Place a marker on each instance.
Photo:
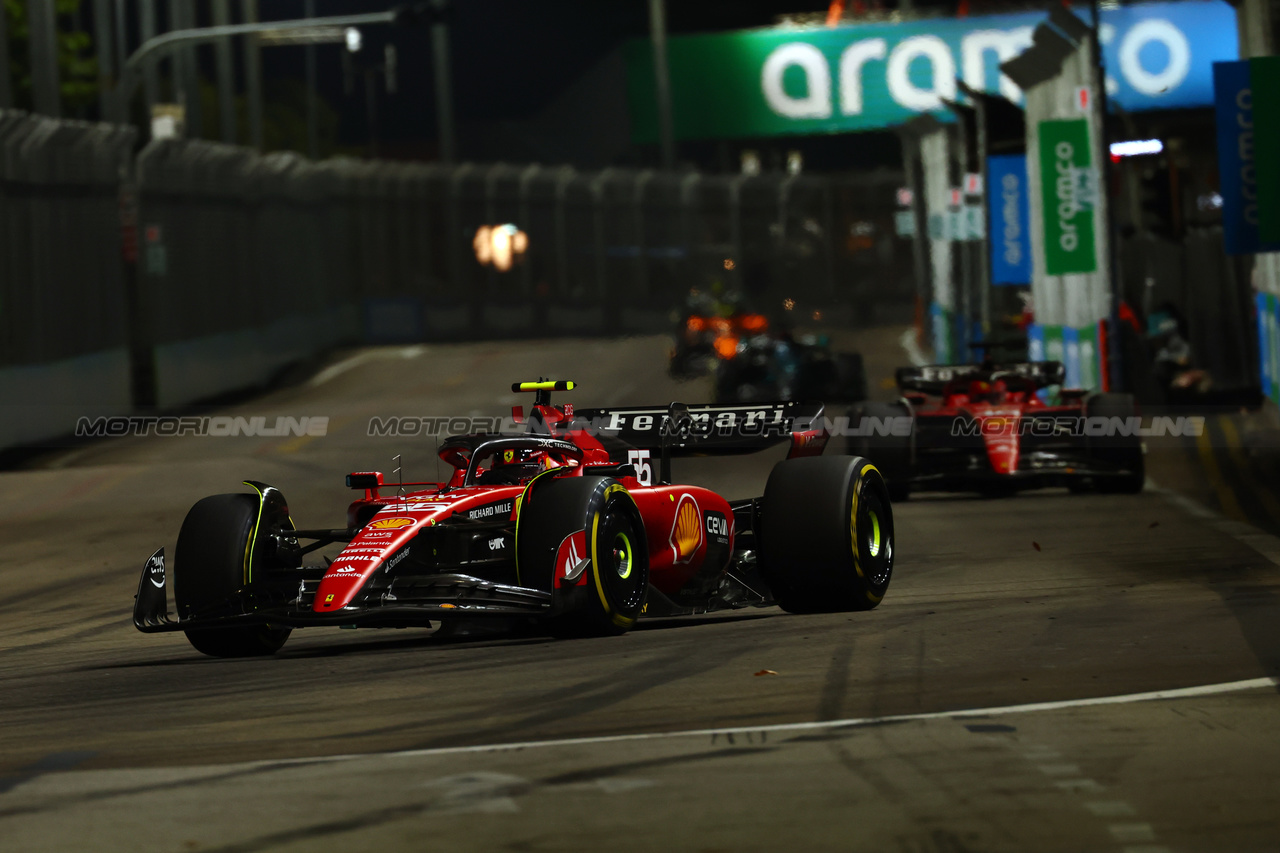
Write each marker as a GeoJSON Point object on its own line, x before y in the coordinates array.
{"type": "Point", "coordinates": [686, 530]}
{"type": "Point", "coordinates": [390, 523]}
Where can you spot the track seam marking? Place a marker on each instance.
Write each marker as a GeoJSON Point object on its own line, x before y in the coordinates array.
{"type": "Point", "coordinates": [856, 722]}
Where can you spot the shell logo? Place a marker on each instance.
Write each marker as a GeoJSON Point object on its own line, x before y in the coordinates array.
{"type": "Point", "coordinates": [390, 524]}
{"type": "Point", "coordinates": [686, 531]}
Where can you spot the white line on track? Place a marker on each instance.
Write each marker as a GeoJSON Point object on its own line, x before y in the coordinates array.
{"type": "Point", "coordinates": [1266, 544]}
{"type": "Point", "coordinates": [341, 367]}
{"type": "Point", "coordinates": [1124, 699]}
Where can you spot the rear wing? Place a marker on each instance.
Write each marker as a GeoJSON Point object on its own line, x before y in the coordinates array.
{"type": "Point", "coordinates": [681, 430]}
{"type": "Point", "coordinates": [933, 379]}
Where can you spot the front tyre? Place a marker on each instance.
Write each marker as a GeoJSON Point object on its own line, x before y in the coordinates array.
{"type": "Point", "coordinates": [617, 575]}
{"type": "Point", "coordinates": [209, 575]}
{"type": "Point", "coordinates": [826, 534]}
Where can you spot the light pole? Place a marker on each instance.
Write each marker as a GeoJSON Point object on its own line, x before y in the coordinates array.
{"type": "Point", "coordinates": [170, 42]}
{"type": "Point", "coordinates": [444, 80]}
{"type": "Point", "coordinates": [662, 82]}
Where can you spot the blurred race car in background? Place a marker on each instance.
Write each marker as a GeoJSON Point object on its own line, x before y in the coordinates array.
{"type": "Point", "coordinates": [751, 361]}
{"type": "Point", "coordinates": [573, 523]}
{"type": "Point", "coordinates": [985, 428]}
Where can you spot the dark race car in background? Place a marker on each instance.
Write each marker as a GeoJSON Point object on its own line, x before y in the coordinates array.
{"type": "Point", "coordinates": [984, 428]}
{"type": "Point", "coordinates": [572, 523]}
{"type": "Point", "coordinates": [751, 361]}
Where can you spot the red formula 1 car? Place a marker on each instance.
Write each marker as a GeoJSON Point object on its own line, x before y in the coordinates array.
{"type": "Point", "coordinates": [565, 522]}
{"type": "Point", "coordinates": [984, 428]}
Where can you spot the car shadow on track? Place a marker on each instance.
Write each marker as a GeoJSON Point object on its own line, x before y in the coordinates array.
{"type": "Point", "coordinates": [483, 638]}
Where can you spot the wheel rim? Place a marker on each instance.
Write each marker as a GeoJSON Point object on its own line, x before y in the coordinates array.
{"type": "Point", "coordinates": [621, 566]}
{"type": "Point", "coordinates": [873, 536]}
{"type": "Point", "coordinates": [622, 555]}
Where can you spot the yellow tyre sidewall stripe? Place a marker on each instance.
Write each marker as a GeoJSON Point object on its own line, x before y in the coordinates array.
{"type": "Point", "coordinates": [853, 530]}
{"type": "Point", "coordinates": [615, 617]}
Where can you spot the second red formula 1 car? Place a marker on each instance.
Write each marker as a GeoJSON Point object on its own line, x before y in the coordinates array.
{"type": "Point", "coordinates": [984, 428]}
{"type": "Point", "coordinates": [571, 521]}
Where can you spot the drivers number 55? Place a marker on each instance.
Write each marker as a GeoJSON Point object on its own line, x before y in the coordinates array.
{"type": "Point", "coordinates": [644, 471]}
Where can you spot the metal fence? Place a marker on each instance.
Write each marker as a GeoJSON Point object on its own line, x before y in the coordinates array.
{"type": "Point", "coordinates": [246, 263]}
{"type": "Point", "coordinates": [609, 252]}
{"type": "Point", "coordinates": [61, 274]}
{"type": "Point", "coordinates": [63, 301]}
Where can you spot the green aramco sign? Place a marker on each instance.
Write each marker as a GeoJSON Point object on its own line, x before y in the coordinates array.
{"type": "Point", "coordinates": [1068, 186]}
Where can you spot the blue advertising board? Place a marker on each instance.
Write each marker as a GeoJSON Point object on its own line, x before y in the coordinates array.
{"type": "Point", "coordinates": [1233, 109]}
{"type": "Point", "coordinates": [1010, 212]}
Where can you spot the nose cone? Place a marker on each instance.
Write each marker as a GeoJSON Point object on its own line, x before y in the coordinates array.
{"type": "Point", "coordinates": [360, 559]}
{"type": "Point", "coordinates": [1000, 436]}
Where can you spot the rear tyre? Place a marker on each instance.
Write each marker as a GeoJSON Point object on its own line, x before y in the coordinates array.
{"type": "Point", "coordinates": [617, 577]}
{"type": "Point", "coordinates": [890, 453]}
{"type": "Point", "coordinates": [851, 376]}
{"type": "Point", "coordinates": [1121, 452]}
{"type": "Point", "coordinates": [826, 534]}
{"type": "Point", "coordinates": [209, 573]}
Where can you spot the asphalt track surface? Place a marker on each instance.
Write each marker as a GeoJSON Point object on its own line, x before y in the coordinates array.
{"type": "Point", "coordinates": [753, 730]}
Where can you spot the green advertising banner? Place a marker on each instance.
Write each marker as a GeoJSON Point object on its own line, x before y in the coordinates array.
{"type": "Point", "coordinates": [1264, 80]}
{"type": "Point", "coordinates": [1067, 186]}
{"type": "Point", "coordinates": [805, 80]}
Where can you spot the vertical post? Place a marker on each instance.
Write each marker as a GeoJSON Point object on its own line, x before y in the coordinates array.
{"type": "Point", "coordinates": [371, 109]}
{"type": "Point", "coordinates": [253, 74]}
{"type": "Point", "coordinates": [984, 250]}
{"type": "Point", "coordinates": [6, 84]}
{"type": "Point", "coordinates": [444, 84]}
{"type": "Point", "coordinates": [186, 74]}
{"type": "Point", "coordinates": [226, 74]}
{"type": "Point", "coordinates": [150, 79]}
{"type": "Point", "coordinates": [1114, 380]}
{"type": "Point", "coordinates": [919, 249]}
{"type": "Point", "coordinates": [1253, 23]}
{"type": "Point", "coordinates": [662, 81]}
{"type": "Point", "coordinates": [42, 24]}
{"type": "Point", "coordinates": [313, 96]}
{"type": "Point", "coordinates": [106, 59]}
{"type": "Point", "coordinates": [964, 247]}
{"type": "Point", "coordinates": [122, 33]}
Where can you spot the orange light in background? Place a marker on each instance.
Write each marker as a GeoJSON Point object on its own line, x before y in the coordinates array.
{"type": "Point", "coordinates": [788, 303]}
{"type": "Point", "coordinates": [696, 324]}
{"type": "Point", "coordinates": [728, 263]}
{"type": "Point", "coordinates": [499, 245]}
{"type": "Point", "coordinates": [727, 346]}
{"type": "Point", "coordinates": [720, 325]}
{"type": "Point", "coordinates": [753, 322]}
{"type": "Point", "coordinates": [817, 315]}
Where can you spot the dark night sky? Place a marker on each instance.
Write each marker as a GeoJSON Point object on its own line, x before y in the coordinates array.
{"type": "Point", "coordinates": [510, 57]}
